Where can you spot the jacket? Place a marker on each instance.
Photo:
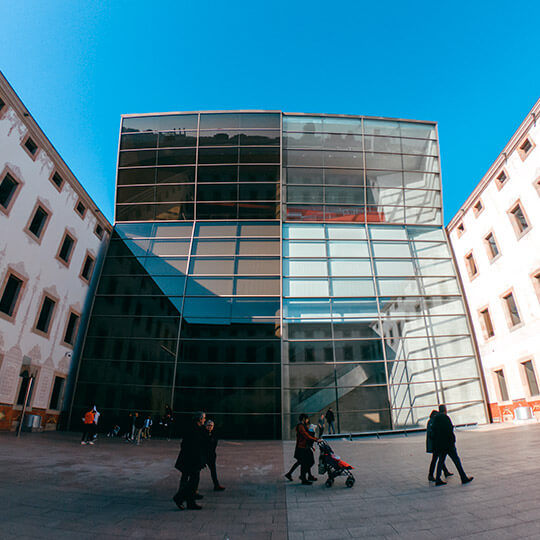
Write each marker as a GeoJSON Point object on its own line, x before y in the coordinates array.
{"type": "Point", "coordinates": [443, 433]}
{"type": "Point", "coordinates": [303, 438]}
{"type": "Point", "coordinates": [429, 432]}
{"type": "Point", "coordinates": [193, 450]}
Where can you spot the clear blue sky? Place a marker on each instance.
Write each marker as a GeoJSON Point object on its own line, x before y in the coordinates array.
{"type": "Point", "coordinates": [471, 66]}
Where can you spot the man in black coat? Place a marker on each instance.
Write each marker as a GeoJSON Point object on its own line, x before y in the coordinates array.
{"type": "Point", "coordinates": [190, 461]}
{"type": "Point", "coordinates": [444, 444]}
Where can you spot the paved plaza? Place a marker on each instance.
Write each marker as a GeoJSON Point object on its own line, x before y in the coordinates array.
{"type": "Point", "coordinates": [52, 487]}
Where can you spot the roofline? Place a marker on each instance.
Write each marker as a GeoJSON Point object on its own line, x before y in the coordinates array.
{"type": "Point", "coordinates": [15, 102]}
{"type": "Point", "coordinates": [131, 115]}
{"type": "Point", "coordinates": [496, 166]}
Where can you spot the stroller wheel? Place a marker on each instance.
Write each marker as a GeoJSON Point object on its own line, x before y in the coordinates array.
{"type": "Point", "coordinates": [349, 482]}
{"type": "Point", "coordinates": [329, 482]}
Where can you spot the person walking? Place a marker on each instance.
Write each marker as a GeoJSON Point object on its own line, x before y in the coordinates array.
{"type": "Point", "coordinates": [444, 444]}
{"type": "Point", "coordinates": [330, 421]}
{"type": "Point", "coordinates": [429, 449]}
{"type": "Point", "coordinates": [212, 456]}
{"type": "Point", "coordinates": [88, 427]}
{"type": "Point", "coordinates": [139, 426]}
{"type": "Point", "coordinates": [146, 427]}
{"type": "Point", "coordinates": [303, 452]}
{"type": "Point", "coordinates": [168, 419]}
{"type": "Point", "coordinates": [97, 414]}
{"type": "Point", "coordinates": [320, 426]}
{"type": "Point", "coordinates": [191, 459]}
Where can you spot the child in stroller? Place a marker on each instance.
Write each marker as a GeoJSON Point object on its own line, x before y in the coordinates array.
{"type": "Point", "coordinates": [333, 465]}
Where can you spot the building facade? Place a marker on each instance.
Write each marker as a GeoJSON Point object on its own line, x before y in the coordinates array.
{"type": "Point", "coordinates": [496, 240]}
{"type": "Point", "coordinates": [265, 264]}
{"type": "Point", "coordinates": [51, 240]}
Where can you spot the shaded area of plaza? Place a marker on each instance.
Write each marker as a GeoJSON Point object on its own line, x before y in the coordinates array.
{"type": "Point", "coordinates": [54, 488]}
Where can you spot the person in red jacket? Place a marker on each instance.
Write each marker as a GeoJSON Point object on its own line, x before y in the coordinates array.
{"type": "Point", "coordinates": [303, 452]}
{"type": "Point", "coordinates": [88, 427]}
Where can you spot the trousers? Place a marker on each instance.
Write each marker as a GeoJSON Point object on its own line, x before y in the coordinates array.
{"type": "Point", "coordinates": [452, 453]}
{"type": "Point", "coordinates": [189, 483]}
{"type": "Point", "coordinates": [213, 472]}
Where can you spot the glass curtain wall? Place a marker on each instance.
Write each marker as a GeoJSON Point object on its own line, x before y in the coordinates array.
{"type": "Point", "coordinates": [374, 325]}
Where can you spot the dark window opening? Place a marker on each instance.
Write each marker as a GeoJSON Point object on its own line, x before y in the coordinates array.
{"type": "Point", "coordinates": [57, 180]}
{"type": "Point", "coordinates": [71, 329]}
{"type": "Point", "coordinates": [502, 384]}
{"type": "Point", "coordinates": [45, 316]}
{"type": "Point", "coordinates": [87, 268]}
{"type": "Point", "coordinates": [65, 250]}
{"type": "Point", "coordinates": [56, 393]}
{"type": "Point", "coordinates": [38, 222]}
{"type": "Point", "coordinates": [10, 295]}
{"type": "Point", "coordinates": [80, 208]}
{"type": "Point", "coordinates": [7, 190]}
{"type": "Point", "coordinates": [99, 231]}
{"type": "Point", "coordinates": [31, 146]}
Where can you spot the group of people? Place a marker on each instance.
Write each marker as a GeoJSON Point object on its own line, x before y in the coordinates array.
{"type": "Point", "coordinates": [327, 419]}
{"type": "Point", "coordinates": [90, 423]}
{"type": "Point", "coordinates": [198, 450]}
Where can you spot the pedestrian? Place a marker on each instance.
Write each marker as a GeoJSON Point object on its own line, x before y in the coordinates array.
{"type": "Point", "coordinates": [444, 444]}
{"type": "Point", "coordinates": [320, 426]}
{"type": "Point", "coordinates": [139, 426]}
{"type": "Point", "coordinates": [330, 421]}
{"type": "Point", "coordinates": [191, 459]}
{"type": "Point", "coordinates": [146, 427]}
{"type": "Point", "coordinates": [303, 452]}
{"type": "Point", "coordinates": [168, 419]}
{"type": "Point", "coordinates": [88, 427]}
{"type": "Point", "coordinates": [429, 449]}
{"type": "Point", "coordinates": [211, 461]}
{"type": "Point", "coordinates": [97, 414]}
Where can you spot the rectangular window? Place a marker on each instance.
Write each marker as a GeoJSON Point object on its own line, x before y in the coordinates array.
{"type": "Point", "coordinates": [99, 231]}
{"type": "Point", "coordinates": [486, 323]}
{"type": "Point", "coordinates": [87, 268]}
{"type": "Point", "coordinates": [501, 381]}
{"type": "Point", "coordinates": [519, 219]}
{"type": "Point", "coordinates": [530, 377]}
{"type": "Point", "coordinates": [31, 146]}
{"type": "Point", "coordinates": [460, 229]}
{"type": "Point", "coordinates": [38, 221]}
{"type": "Point", "coordinates": [8, 187]}
{"type": "Point", "coordinates": [501, 179]}
{"type": "Point", "coordinates": [57, 180]}
{"type": "Point", "coordinates": [525, 148]}
{"type": "Point", "coordinates": [45, 315]}
{"type": "Point", "coordinates": [511, 310]}
{"type": "Point", "coordinates": [491, 246]}
{"type": "Point", "coordinates": [66, 249]}
{"type": "Point", "coordinates": [10, 295]}
{"type": "Point", "coordinates": [535, 276]}
{"type": "Point", "coordinates": [57, 391]}
{"type": "Point", "coordinates": [472, 270]}
{"type": "Point", "coordinates": [2, 104]}
{"type": "Point", "coordinates": [80, 209]}
{"type": "Point", "coordinates": [71, 328]}
{"type": "Point", "coordinates": [477, 208]}
{"type": "Point", "coordinates": [25, 383]}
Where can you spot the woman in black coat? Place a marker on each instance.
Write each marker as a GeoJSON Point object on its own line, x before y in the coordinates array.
{"type": "Point", "coordinates": [429, 449]}
{"type": "Point", "coordinates": [211, 459]}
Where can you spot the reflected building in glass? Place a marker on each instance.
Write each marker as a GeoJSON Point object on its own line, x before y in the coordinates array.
{"type": "Point", "coordinates": [265, 264]}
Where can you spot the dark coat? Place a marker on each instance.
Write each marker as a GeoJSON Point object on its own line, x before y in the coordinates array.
{"type": "Point", "coordinates": [211, 445]}
{"type": "Point", "coordinates": [193, 451]}
{"type": "Point", "coordinates": [330, 416]}
{"type": "Point", "coordinates": [443, 433]}
{"type": "Point", "coordinates": [429, 432]}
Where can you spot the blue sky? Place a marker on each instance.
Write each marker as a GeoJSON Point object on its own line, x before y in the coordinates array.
{"type": "Point", "coordinates": [470, 66]}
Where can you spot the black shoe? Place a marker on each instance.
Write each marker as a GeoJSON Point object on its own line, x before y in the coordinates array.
{"type": "Point", "coordinates": [194, 506]}
{"type": "Point", "coordinates": [467, 480]}
{"type": "Point", "coordinates": [431, 478]}
{"type": "Point", "coordinates": [448, 473]}
{"type": "Point", "coordinates": [219, 488]}
{"type": "Point", "coordinates": [198, 496]}
{"type": "Point", "coordinates": [306, 483]}
{"type": "Point", "coordinates": [178, 503]}
{"type": "Point", "coordinates": [440, 483]}
{"type": "Point", "coordinates": [312, 478]}
{"type": "Point", "coordinates": [289, 477]}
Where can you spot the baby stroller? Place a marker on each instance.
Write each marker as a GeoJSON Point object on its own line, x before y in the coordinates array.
{"type": "Point", "coordinates": [334, 465]}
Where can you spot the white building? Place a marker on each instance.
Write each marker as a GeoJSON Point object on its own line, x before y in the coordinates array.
{"type": "Point", "coordinates": [496, 241]}
{"type": "Point", "coordinates": [51, 240]}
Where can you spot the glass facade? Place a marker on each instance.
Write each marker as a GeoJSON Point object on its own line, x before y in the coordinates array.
{"type": "Point", "coordinates": [266, 264]}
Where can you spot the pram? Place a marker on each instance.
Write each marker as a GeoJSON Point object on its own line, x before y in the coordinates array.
{"type": "Point", "coordinates": [333, 465]}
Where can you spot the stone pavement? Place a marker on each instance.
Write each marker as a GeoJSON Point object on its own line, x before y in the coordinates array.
{"type": "Point", "coordinates": [51, 487]}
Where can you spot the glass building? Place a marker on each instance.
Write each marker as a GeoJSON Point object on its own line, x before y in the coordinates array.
{"type": "Point", "coordinates": [265, 264]}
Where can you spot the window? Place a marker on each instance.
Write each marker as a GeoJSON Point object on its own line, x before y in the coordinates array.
{"type": "Point", "coordinates": [10, 295]}
{"type": "Point", "coordinates": [486, 324]}
{"type": "Point", "coordinates": [512, 313]}
{"type": "Point", "coordinates": [2, 104]}
{"type": "Point", "coordinates": [31, 147]}
{"type": "Point", "coordinates": [71, 328]}
{"type": "Point", "coordinates": [471, 265]}
{"type": "Point", "coordinates": [80, 209]}
{"type": "Point", "coordinates": [88, 266]}
{"type": "Point", "coordinates": [530, 377]}
{"type": "Point", "coordinates": [27, 386]}
{"type": "Point", "coordinates": [519, 220]}
{"type": "Point", "coordinates": [56, 395]}
{"type": "Point", "coordinates": [45, 316]}
{"type": "Point", "coordinates": [535, 276]}
{"type": "Point", "coordinates": [39, 221]}
{"type": "Point", "coordinates": [460, 229]}
{"type": "Point", "coordinates": [57, 180]}
{"type": "Point", "coordinates": [66, 249]}
{"type": "Point", "coordinates": [491, 246]}
{"type": "Point", "coordinates": [8, 188]}
{"type": "Point", "coordinates": [501, 383]}
{"type": "Point", "coordinates": [477, 208]}
{"type": "Point", "coordinates": [525, 148]}
{"type": "Point", "coordinates": [501, 179]}
{"type": "Point", "coordinates": [98, 231]}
